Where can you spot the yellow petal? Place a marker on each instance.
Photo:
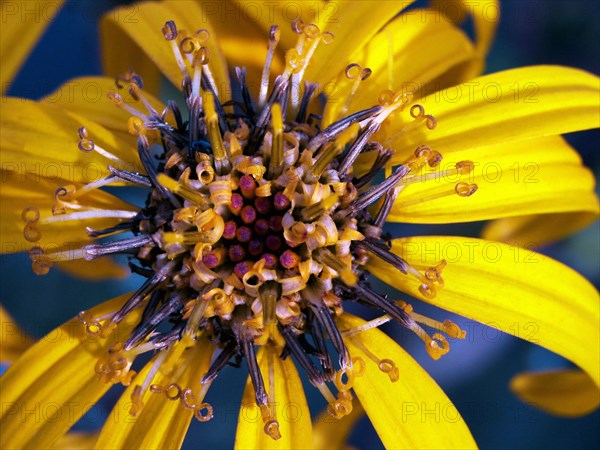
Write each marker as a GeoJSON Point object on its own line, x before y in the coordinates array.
{"type": "Point", "coordinates": [485, 16]}
{"type": "Point", "coordinates": [52, 385]}
{"type": "Point", "coordinates": [41, 139]}
{"type": "Point", "coordinates": [243, 30]}
{"type": "Point", "coordinates": [406, 54]}
{"type": "Point", "coordinates": [509, 288]}
{"type": "Point", "coordinates": [20, 192]}
{"type": "Point", "coordinates": [76, 441]}
{"type": "Point", "coordinates": [96, 269]}
{"type": "Point", "coordinates": [13, 340]}
{"type": "Point", "coordinates": [331, 433]}
{"type": "Point", "coordinates": [537, 230]}
{"type": "Point", "coordinates": [289, 404]}
{"type": "Point", "coordinates": [353, 24]}
{"type": "Point", "coordinates": [162, 423]}
{"type": "Point", "coordinates": [569, 393]}
{"type": "Point", "coordinates": [536, 176]}
{"type": "Point", "coordinates": [144, 31]}
{"type": "Point", "coordinates": [87, 97]}
{"type": "Point", "coordinates": [503, 107]}
{"type": "Point", "coordinates": [413, 412]}
{"type": "Point", "coordinates": [23, 23]}
{"type": "Point", "coordinates": [262, 15]}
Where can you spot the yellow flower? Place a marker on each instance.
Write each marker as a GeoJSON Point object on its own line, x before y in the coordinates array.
{"type": "Point", "coordinates": [264, 213]}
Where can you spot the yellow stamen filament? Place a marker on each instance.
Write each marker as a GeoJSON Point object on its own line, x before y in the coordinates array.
{"type": "Point", "coordinates": [214, 133]}
{"type": "Point", "coordinates": [313, 211]}
{"type": "Point", "coordinates": [177, 188]}
{"type": "Point", "coordinates": [275, 166]}
{"type": "Point", "coordinates": [271, 425]}
{"type": "Point", "coordinates": [461, 189]}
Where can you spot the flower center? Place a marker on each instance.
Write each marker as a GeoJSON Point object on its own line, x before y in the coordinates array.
{"type": "Point", "coordinates": [256, 228]}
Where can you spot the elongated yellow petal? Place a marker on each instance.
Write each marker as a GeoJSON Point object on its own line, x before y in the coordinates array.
{"type": "Point", "coordinates": [41, 139]}
{"type": "Point", "coordinates": [13, 340]}
{"type": "Point", "coordinates": [412, 412]}
{"type": "Point", "coordinates": [286, 395]}
{"type": "Point", "coordinates": [22, 25]}
{"type": "Point", "coordinates": [510, 288]}
{"type": "Point", "coordinates": [144, 31]}
{"type": "Point", "coordinates": [569, 393]}
{"type": "Point", "coordinates": [503, 107]}
{"type": "Point", "coordinates": [535, 176]}
{"type": "Point", "coordinates": [332, 433]}
{"type": "Point", "coordinates": [406, 54]}
{"type": "Point", "coordinates": [162, 423]}
{"type": "Point", "coordinates": [87, 97]}
{"type": "Point", "coordinates": [76, 441]}
{"type": "Point", "coordinates": [20, 192]}
{"type": "Point", "coordinates": [264, 14]}
{"type": "Point", "coordinates": [54, 383]}
{"type": "Point", "coordinates": [537, 230]}
{"type": "Point", "coordinates": [353, 24]}
{"type": "Point", "coordinates": [96, 269]}
{"type": "Point", "coordinates": [485, 16]}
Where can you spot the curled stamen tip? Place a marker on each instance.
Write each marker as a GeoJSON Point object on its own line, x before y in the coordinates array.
{"type": "Point", "coordinates": [327, 37]}
{"type": "Point", "coordinates": [437, 347]}
{"type": "Point", "coordinates": [115, 98]}
{"type": "Point", "coordinates": [463, 189]}
{"type": "Point", "coordinates": [464, 167]}
{"type": "Point", "coordinates": [385, 98]}
{"type": "Point", "coordinates": [86, 145]}
{"type": "Point", "coordinates": [388, 367]}
{"type": "Point", "coordinates": [427, 290]}
{"type": "Point", "coordinates": [341, 407]}
{"type": "Point", "coordinates": [202, 35]}
{"type": "Point", "coordinates": [435, 158]}
{"type": "Point", "coordinates": [298, 25]}
{"type": "Point", "coordinates": [365, 73]}
{"type": "Point", "coordinates": [430, 122]}
{"type": "Point", "coordinates": [30, 214]}
{"type": "Point", "coordinates": [170, 30]}
{"type": "Point", "coordinates": [312, 31]}
{"type": "Point", "coordinates": [204, 412]}
{"type": "Point", "coordinates": [417, 111]}
{"type": "Point", "coordinates": [358, 366]}
{"type": "Point", "coordinates": [274, 34]}
{"type": "Point", "coordinates": [353, 71]}
{"type": "Point", "coordinates": [344, 383]}
{"type": "Point", "coordinates": [202, 56]}
{"type": "Point", "coordinates": [453, 330]}
{"type": "Point", "coordinates": [272, 429]}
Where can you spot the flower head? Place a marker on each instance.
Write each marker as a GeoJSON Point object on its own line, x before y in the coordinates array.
{"type": "Point", "coordinates": [262, 222]}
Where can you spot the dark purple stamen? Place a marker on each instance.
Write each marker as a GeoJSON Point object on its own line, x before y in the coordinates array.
{"type": "Point", "coordinates": [243, 234]}
{"type": "Point", "coordinates": [236, 253]}
{"type": "Point", "coordinates": [261, 227]}
{"type": "Point", "coordinates": [280, 201]}
{"type": "Point", "coordinates": [262, 204]}
{"type": "Point", "coordinates": [273, 243]}
{"type": "Point", "coordinates": [248, 214]}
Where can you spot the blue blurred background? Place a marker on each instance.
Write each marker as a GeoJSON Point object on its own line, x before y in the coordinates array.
{"type": "Point", "coordinates": [476, 373]}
